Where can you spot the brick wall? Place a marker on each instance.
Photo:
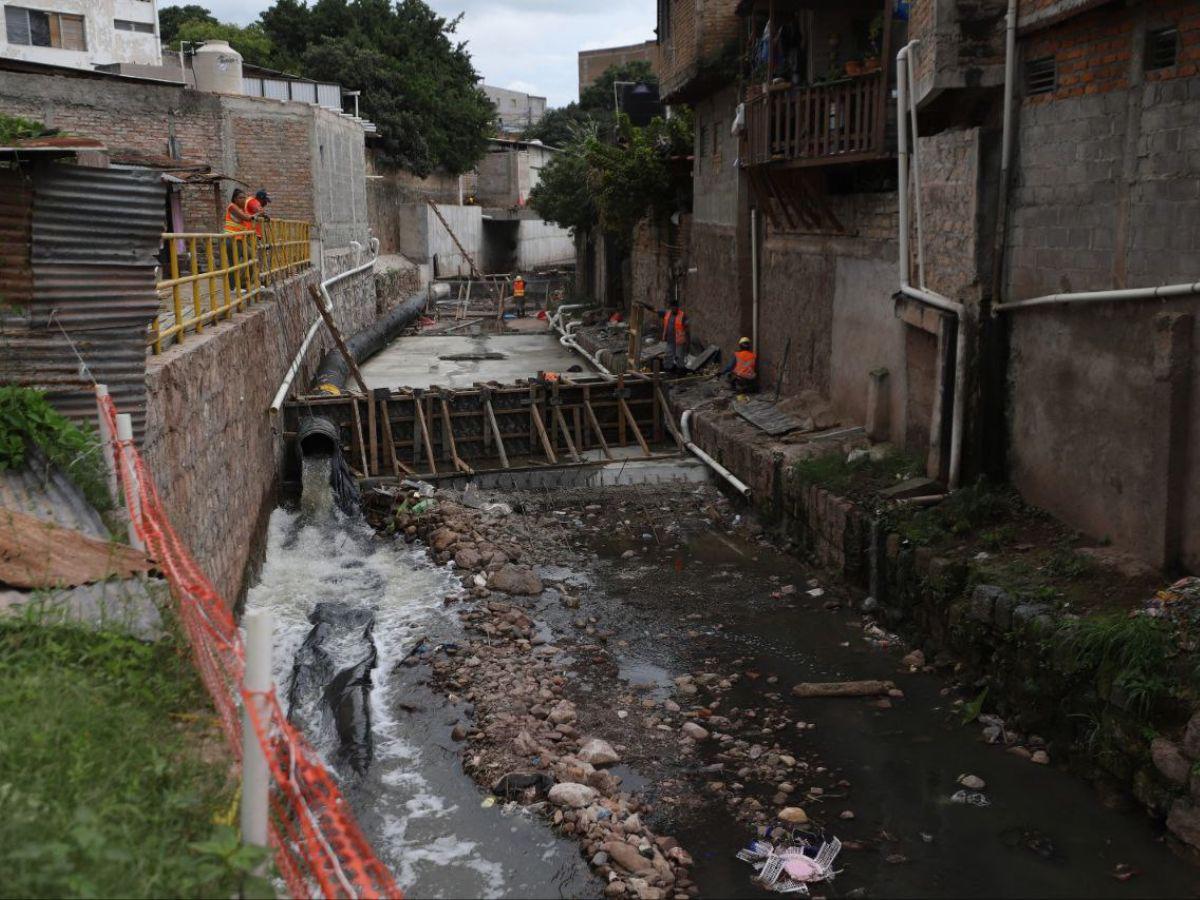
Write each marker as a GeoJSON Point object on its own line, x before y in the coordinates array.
{"type": "Point", "coordinates": [209, 442]}
{"type": "Point", "coordinates": [714, 289]}
{"type": "Point", "coordinates": [961, 44]}
{"type": "Point", "coordinates": [594, 63]}
{"type": "Point", "coordinates": [699, 31]}
{"type": "Point", "coordinates": [656, 248]}
{"type": "Point", "coordinates": [286, 148]}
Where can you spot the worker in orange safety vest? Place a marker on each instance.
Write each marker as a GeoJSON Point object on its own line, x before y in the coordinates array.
{"type": "Point", "coordinates": [742, 370]}
{"type": "Point", "coordinates": [519, 296]}
{"type": "Point", "coordinates": [676, 333]}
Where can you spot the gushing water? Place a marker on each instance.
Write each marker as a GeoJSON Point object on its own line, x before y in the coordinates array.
{"type": "Point", "coordinates": [417, 807]}
{"type": "Point", "coordinates": [316, 503]}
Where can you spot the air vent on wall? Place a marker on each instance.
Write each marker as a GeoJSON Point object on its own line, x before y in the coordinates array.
{"type": "Point", "coordinates": [1040, 76]}
{"type": "Point", "coordinates": [1161, 48]}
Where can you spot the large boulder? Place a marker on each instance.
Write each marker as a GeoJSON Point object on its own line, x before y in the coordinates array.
{"type": "Point", "coordinates": [520, 580]}
{"type": "Point", "coordinates": [627, 857]}
{"type": "Point", "coordinates": [443, 539]}
{"type": "Point", "coordinates": [598, 753]}
{"type": "Point", "coordinates": [571, 795]}
{"type": "Point", "coordinates": [1170, 761]}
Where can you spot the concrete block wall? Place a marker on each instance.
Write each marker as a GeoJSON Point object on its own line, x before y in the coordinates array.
{"type": "Point", "coordinates": [209, 441]}
{"type": "Point", "coordinates": [543, 244]}
{"type": "Point", "coordinates": [1106, 196]}
{"type": "Point", "coordinates": [423, 239]}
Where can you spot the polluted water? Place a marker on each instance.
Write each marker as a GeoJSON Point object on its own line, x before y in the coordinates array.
{"type": "Point", "coordinates": [423, 815]}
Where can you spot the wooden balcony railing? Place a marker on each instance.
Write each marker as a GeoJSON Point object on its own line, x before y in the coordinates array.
{"type": "Point", "coordinates": [840, 121]}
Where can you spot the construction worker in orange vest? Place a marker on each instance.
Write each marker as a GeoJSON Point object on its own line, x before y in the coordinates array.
{"type": "Point", "coordinates": [676, 334]}
{"type": "Point", "coordinates": [742, 370]}
{"type": "Point", "coordinates": [238, 223]}
{"type": "Point", "coordinates": [519, 296]}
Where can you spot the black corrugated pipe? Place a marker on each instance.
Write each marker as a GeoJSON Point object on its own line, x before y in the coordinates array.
{"type": "Point", "coordinates": [333, 371]}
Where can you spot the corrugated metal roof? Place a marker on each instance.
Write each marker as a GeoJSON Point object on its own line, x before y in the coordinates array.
{"type": "Point", "coordinates": [94, 237]}
{"type": "Point", "coordinates": [53, 142]}
{"type": "Point", "coordinates": [16, 275]}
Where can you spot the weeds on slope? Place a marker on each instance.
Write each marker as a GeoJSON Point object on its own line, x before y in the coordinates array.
{"type": "Point", "coordinates": [111, 769]}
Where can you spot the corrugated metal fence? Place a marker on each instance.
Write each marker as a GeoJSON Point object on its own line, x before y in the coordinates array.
{"type": "Point", "coordinates": [90, 239]}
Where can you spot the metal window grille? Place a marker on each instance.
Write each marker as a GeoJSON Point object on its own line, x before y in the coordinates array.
{"type": "Point", "coordinates": [1162, 48]}
{"type": "Point", "coordinates": [1041, 76]}
{"type": "Point", "coordinates": [140, 27]}
{"type": "Point", "coordinates": [34, 28]}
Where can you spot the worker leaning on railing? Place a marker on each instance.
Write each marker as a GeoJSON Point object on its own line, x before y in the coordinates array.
{"type": "Point", "coordinates": [238, 222]}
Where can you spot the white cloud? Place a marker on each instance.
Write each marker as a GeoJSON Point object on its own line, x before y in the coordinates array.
{"type": "Point", "coordinates": [531, 43]}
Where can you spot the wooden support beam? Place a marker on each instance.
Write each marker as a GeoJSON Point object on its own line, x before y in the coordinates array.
{"type": "Point", "coordinates": [319, 302]}
{"type": "Point", "coordinates": [389, 441]}
{"type": "Point", "coordinates": [667, 418]}
{"type": "Point", "coordinates": [566, 433]}
{"type": "Point", "coordinates": [491, 418]}
{"type": "Point", "coordinates": [536, 415]}
{"type": "Point", "coordinates": [373, 434]}
{"type": "Point", "coordinates": [448, 428]}
{"type": "Point", "coordinates": [595, 423]}
{"type": "Point", "coordinates": [637, 432]}
{"type": "Point", "coordinates": [358, 433]}
{"type": "Point", "coordinates": [424, 426]}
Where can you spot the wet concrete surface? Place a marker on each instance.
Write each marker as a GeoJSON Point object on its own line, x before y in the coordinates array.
{"type": "Point", "coordinates": [416, 361]}
{"type": "Point", "coordinates": [1045, 834]}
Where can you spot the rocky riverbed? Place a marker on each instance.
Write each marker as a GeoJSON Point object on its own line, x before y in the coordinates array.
{"type": "Point", "coordinates": [628, 673]}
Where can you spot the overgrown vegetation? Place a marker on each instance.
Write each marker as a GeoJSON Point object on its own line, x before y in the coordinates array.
{"type": "Point", "coordinates": [15, 128]}
{"type": "Point", "coordinates": [614, 185]}
{"type": "Point", "coordinates": [110, 781]}
{"type": "Point", "coordinates": [26, 416]}
{"type": "Point", "coordinates": [979, 508]}
{"type": "Point", "coordinates": [417, 80]}
{"type": "Point", "coordinates": [1131, 652]}
{"type": "Point", "coordinates": [837, 473]}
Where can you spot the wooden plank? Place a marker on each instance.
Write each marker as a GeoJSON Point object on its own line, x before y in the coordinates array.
{"type": "Point", "coordinates": [358, 432]}
{"type": "Point", "coordinates": [670, 421]}
{"type": "Point", "coordinates": [637, 432]}
{"type": "Point", "coordinates": [389, 439]}
{"type": "Point", "coordinates": [541, 430]}
{"type": "Point", "coordinates": [424, 426]}
{"type": "Point", "coordinates": [566, 433]}
{"type": "Point", "coordinates": [449, 432]}
{"type": "Point", "coordinates": [373, 435]}
{"type": "Point", "coordinates": [319, 302]}
{"type": "Point", "coordinates": [491, 419]}
{"type": "Point", "coordinates": [595, 423]}
{"type": "Point", "coordinates": [621, 437]}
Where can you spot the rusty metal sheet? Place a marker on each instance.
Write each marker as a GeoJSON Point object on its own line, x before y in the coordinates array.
{"type": "Point", "coordinates": [765, 415]}
{"type": "Point", "coordinates": [16, 206]}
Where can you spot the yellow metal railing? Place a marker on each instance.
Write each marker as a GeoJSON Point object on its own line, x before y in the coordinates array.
{"type": "Point", "coordinates": [222, 273]}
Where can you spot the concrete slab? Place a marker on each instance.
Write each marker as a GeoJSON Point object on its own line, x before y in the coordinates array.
{"type": "Point", "coordinates": [413, 361]}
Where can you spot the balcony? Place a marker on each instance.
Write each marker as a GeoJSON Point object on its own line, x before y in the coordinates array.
{"type": "Point", "coordinates": [818, 124]}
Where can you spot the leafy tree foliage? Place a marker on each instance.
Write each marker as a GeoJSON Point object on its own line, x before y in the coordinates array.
{"type": "Point", "coordinates": [171, 18]}
{"type": "Point", "coordinates": [616, 184]}
{"type": "Point", "coordinates": [561, 126]}
{"type": "Point", "coordinates": [418, 84]}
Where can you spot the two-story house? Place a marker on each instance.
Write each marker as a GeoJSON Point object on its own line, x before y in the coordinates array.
{"type": "Point", "coordinates": [82, 34]}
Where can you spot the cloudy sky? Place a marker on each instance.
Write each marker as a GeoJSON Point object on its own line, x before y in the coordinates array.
{"type": "Point", "coordinates": [527, 45]}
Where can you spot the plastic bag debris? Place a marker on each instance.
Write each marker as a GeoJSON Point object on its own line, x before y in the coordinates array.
{"type": "Point", "coordinates": [789, 868]}
{"type": "Point", "coordinates": [971, 798]}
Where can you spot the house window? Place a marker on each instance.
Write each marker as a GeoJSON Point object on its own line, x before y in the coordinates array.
{"type": "Point", "coordinates": [1162, 46]}
{"type": "Point", "coordinates": [126, 25]}
{"type": "Point", "coordinates": [35, 28]}
{"type": "Point", "coordinates": [1040, 76]}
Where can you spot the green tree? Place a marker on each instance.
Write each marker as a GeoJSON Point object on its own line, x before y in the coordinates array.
{"type": "Point", "coordinates": [599, 95]}
{"type": "Point", "coordinates": [562, 194]}
{"type": "Point", "coordinates": [418, 83]}
{"type": "Point", "coordinates": [171, 18]}
{"type": "Point", "coordinates": [252, 42]}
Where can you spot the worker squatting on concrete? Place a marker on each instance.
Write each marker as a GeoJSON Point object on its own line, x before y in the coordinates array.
{"type": "Point", "coordinates": [742, 370]}
{"type": "Point", "coordinates": [677, 335]}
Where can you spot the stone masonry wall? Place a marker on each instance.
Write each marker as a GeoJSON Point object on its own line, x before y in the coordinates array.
{"type": "Point", "coordinates": [209, 439]}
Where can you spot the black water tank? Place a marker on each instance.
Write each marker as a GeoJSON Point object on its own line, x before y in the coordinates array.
{"type": "Point", "coordinates": [640, 102]}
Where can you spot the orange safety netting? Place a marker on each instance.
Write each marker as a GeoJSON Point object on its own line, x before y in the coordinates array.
{"type": "Point", "coordinates": [319, 848]}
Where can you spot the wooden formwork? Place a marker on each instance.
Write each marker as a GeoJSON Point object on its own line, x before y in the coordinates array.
{"type": "Point", "coordinates": [440, 431]}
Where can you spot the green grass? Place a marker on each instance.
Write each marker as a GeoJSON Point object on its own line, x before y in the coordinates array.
{"type": "Point", "coordinates": [110, 768]}
{"type": "Point", "coordinates": [981, 509]}
{"type": "Point", "coordinates": [834, 473]}
{"type": "Point", "coordinates": [1135, 651]}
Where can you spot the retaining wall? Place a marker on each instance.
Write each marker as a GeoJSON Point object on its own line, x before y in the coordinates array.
{"type": "Point", "coordinates": [209, 441]}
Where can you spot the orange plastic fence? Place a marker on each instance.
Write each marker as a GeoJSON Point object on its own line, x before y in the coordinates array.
{"type": "Point", "coordinates": [319, 849]}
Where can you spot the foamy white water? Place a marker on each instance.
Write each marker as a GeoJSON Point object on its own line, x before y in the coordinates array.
{"type": "Point", "coordinates": [421, 812]}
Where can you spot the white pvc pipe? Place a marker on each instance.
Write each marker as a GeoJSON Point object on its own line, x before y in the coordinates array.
{"type": "Point", "coordinates": [256, 681]}
{"type": "Point", "coordinates": [567, 341]}
{"type": "Point", "coordinates": [1010, 62]}
{"type": "Point", "coordinates": [924, 295]}
{"type": "Point", "coordinates": [125, 436]}
{"type": "Point", "coordinates": [1162, 292]}
{"type": "Point", "coordinates": [737, 484]}
{"type": "Point", "coordinates": [916, 168]}
{"type": "Point", "coordinates": [298, 360]}
{"type": "Point", "coordinates": [754, 277]}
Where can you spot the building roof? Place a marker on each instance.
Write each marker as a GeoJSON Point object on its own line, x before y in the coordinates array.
{"type": "Point", "coordinates": [8, 64]}
{"type": "Point", "coordinates": [508, 144]}
{"type": "Point", "coordinates": [595, 51]}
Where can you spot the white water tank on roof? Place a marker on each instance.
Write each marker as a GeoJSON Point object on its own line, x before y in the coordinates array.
{"type": "Point", "coordinates": [218, 68]}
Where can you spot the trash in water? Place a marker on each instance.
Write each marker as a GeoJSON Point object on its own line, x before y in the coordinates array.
{"type": "Point", "coordinates": [496, 509]}
{"type": "Point", "coordinates": [817, 592]}
{"type": "Point", "coordinates": [423, 506]}
{"type": "Point", "coordinates": [971, 798]}
{"type": "Point", "coordinates": [789, 868]}
{"type": "Point", "coordinates": [1124, 871]}
{"type": "Point", "coordinates": [424, 488]}
{"type": "Point", "coordinates": [488, 802]}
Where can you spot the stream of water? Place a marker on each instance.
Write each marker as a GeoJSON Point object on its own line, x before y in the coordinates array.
{"type": "Point", "coordinates": [420, 811]}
